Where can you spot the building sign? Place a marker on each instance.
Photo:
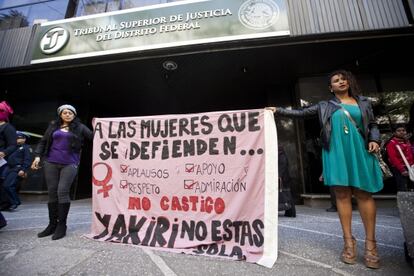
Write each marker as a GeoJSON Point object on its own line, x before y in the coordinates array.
{"type": "Point", "coordinates": [202, 184]}
{"type": "Point", "coordinates": [160, 26]}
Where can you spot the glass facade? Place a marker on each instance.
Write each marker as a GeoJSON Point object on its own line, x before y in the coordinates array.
{"type": "Point", "coordinates": [87, 7]}
{"type": "Point", "coordinates": [22, 13]}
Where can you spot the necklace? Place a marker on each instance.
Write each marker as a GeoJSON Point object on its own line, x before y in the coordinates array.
{"type": "Point", "coordinates": [346, 130]}
{"type": "Point", "coordinates": [344, 125]}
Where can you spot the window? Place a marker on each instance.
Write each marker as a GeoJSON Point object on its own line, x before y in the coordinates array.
{"type": "Point", "coordinates": [395, 102]}
{"type": "Point", "coordinates": [86, 7]}
{"type": "Point", "coordinates": [22, 13]}
{"type": "Point", "coordinates": [128, 4]}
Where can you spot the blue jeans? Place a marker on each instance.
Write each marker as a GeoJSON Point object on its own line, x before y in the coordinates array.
{"type": "Point", "coordinates": [10, 184]}
{"type": "Point", "coordinates": [59, 179]}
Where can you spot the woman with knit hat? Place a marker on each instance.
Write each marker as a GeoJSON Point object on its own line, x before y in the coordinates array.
{"type": "Point", "coordinates": [61, 146]}
{"type": "Point", "coordinates": [8, 142]}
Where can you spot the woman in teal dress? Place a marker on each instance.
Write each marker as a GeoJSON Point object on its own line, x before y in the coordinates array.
{"type": "Point", "coordinates": [349, 138]}
{"type": "Point", "coordinates": [347, 162]}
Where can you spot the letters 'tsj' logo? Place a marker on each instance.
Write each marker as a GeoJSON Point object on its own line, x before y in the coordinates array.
{"type": "Point", "coordinates": [54, 40]}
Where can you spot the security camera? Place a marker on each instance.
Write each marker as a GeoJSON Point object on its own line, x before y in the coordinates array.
{"type": "Point", "coordinates": [170, 65]}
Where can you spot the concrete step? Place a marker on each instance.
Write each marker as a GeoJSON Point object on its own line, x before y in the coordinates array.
{"type": "Point", "coordinates": [323, 200]}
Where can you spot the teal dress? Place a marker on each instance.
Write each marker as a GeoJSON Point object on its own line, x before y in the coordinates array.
{"type": "Point", "coordinates": [348, 162]}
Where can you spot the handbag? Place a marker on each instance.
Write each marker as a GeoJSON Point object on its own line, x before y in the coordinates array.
{"type": "Point", "coordinates": [409, 168]}
{"type": "Point", "coordinates": [386, 172]}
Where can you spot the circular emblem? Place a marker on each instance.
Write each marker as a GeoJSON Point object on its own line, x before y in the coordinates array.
{"type": "Point", "coordinates": [54, 40]}
{"type": "Point", "coordinates": [258, 14]}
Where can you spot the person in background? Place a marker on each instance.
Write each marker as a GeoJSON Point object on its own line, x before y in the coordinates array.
{"type": "Point", "coordinates": [333, 207]}
{"type": "Point", "coordinates": [349, 138]}
{"type": "Point", "coordinates": [61, 146]}
{"type": "Point", "coordinates": [16, 168]}
{"type": "Point", "coordinates": [7, 144]}
{"type": "Point", "coordinates": [332, 199]}
{"type": "Point", "coordinates": [398, 168]}
{"type": "Point", "coordinates": [285, 181]}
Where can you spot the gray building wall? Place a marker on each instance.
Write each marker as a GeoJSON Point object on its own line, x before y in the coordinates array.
{"type": "Point", "coordinates": [411, 4]}
{"type": "Point", "coordinates": [383, 14]}
{"type": "Point", "coordinates": [328, 16]}
{"type": "Point", "coordinates": [306, 17]}
{"type": "Point", "coordinates": [15, 47]}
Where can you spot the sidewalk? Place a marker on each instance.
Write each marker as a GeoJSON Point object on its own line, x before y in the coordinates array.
{"type": "Point", "coordinates": [309, 244]}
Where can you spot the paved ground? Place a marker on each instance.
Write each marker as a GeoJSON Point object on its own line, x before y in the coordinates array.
{"type": "Point", "coordinates": [309, 244]}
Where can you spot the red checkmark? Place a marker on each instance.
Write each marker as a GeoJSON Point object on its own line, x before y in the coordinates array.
{"type": "Point", "coordinates": [123, 184]}
{"type": "Point", "coordinates": [189, 168]}
{"type": "Point", "coordinates": [124, 168]}
{"type": "Point", "coordinates": [189, 184]}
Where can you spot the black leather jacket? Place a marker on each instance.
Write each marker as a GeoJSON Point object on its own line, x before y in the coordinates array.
{"type": "Point", "coordinates": [79, 131]}
{"type": "Point", "coordinates": [325, 109]}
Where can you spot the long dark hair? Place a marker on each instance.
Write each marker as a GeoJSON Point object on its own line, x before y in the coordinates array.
{"type": "Point", "coordinates": [74, 129]}
{"type": "Point", "coordinates": [353, 84]}
{"type": "Point", "coordinates": [73, 125]}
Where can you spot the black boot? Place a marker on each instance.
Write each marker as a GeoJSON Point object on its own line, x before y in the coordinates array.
{"type": "Point", "coordinates": [53, 218]}
{"type": "Point", "coordinates": [3, 221]}
{"type": "Point", "coordinates": [63, 211]}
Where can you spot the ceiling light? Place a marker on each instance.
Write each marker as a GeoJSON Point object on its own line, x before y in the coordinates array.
{"type": "Point", "coordinates": [170, 65]}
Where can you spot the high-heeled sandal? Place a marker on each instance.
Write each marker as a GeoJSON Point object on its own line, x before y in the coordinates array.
{"type": "Point", "coordinates": [349, 254]}
{"type": "Point", "coordinates": [371, 257]}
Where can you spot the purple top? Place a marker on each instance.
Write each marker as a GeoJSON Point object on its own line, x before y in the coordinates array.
{"type": "Point", "coordinates": [60, 151]}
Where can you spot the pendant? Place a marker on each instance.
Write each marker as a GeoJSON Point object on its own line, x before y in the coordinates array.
{"type": "Point", "coordinates": [346, 130]}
